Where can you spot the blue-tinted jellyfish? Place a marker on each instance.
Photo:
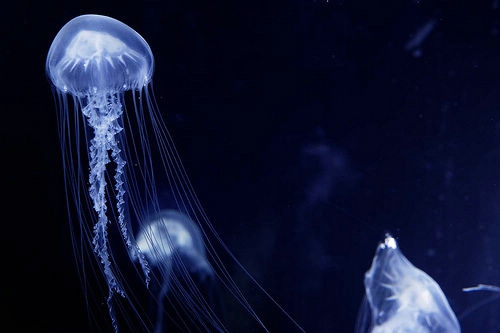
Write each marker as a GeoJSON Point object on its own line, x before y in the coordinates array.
{"type": "Point", "coordinates": [96, 59]}
{"type": "Point", "coordinates": [172, 244]}
{"type": "Point", "coordinates": [117, 157]}
{"type": "Point", "coordinates": [402, 298]}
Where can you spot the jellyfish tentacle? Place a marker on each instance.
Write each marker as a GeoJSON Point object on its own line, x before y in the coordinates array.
{"type": "Point", "coordinates": [114, 102]}
{"type": "Point", "coordinates": [120, 206]}
{"type": "Point", "coordinates": [98, 159]}
{"type": "Point", "coordinates": [103, 113]}
{"type": "Point", "coordinates": [102, 118]}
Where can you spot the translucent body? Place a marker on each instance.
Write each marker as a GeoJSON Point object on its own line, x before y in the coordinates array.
{"type": "Point", "coordinates": [94, 53]}
{"type": "Point", "coordinates": [117, 157]}
{"type": "Point", "coordinates": [95, 59]}
{"type": "Point", "coordinates": [168, 232]}
{"type": "Point", "coordinates": [169, 239]}
{"type": "Point", "coordinates": [402, 298]}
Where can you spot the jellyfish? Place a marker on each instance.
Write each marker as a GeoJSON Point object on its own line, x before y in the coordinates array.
{"type": "Point", "coordinates": [118, 158]}
{"type": "Point", "coordinates": [96, 59]}
{"type": "Point", "coordinates": [172, 243]}
{"type": "Point", "coordinates": [402, 298]}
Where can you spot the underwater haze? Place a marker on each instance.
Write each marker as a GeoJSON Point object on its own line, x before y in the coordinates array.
{"type": "Point", "coordinates": [315, 136]}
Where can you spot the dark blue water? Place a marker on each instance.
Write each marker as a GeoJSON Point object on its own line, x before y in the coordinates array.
{"type": "Point", "coordinates": [309, 129]}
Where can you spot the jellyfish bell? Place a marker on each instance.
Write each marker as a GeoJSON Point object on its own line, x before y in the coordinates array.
{"type": "Point", "coordinates": [95, 53]}
{"type": "Point", "coordinates": [172, 232]}
{"type": "Point", "coordinates": [402, 298]}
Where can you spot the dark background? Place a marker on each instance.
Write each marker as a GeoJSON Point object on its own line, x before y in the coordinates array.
{"type": "Point", "coordinates": [309, 130]}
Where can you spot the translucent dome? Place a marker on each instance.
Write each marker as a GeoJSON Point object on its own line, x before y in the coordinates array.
{"type": "Point", "coordinates": [98, 53]}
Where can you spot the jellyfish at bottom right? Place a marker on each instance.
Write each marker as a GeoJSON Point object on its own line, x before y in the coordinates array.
{"type": "Point", "coordinates": [401, 298]}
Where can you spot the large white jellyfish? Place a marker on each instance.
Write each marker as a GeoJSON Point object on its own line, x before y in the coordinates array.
{"type": "Point", "coordinates": [116, 159]}
{"type": "Point", "coordinates": [401, 298]}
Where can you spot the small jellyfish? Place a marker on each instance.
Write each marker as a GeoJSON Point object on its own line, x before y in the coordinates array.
{"type": "Point", "coordinates": [172, 243]}
{"type": "Point", "coordinates": [402, 298]}
{"type": "Point", "coordinates": [119, 160]}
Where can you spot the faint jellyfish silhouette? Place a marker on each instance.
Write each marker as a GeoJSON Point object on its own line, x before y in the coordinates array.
{"type": "Point", "coordinates": [114, 158]}
{"type": "Point", "coordinates": [172, 243]}
{"type": "Point", "coordinates": [402, 298]}
{"type": "Point", "coordinates": [487, 288]}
